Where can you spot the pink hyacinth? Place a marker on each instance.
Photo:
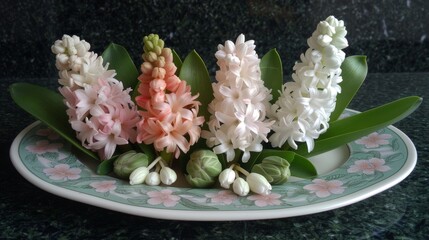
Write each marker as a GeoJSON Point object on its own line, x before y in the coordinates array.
{"type": "Point", "coordinates": [169, 119]}
{"type": "Point", "coordinates": [103, 116]}
{"type": "Point", "coordinates": [99, 109]}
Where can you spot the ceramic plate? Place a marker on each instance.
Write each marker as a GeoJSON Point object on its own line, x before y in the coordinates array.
{"type": "Point", "coordinates": [347, 175]}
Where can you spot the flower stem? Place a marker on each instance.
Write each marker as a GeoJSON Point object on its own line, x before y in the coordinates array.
{"type": "Point", "coordinates": [242, 170]}
{"type": "Point", "coordinates": [157, 168]}
{"type": "Point", "coordinates": [162, 163]}
{"type": "Point", "coordinates": [167, 157]}
{"type": "Point", "coordinates": [154, 162]}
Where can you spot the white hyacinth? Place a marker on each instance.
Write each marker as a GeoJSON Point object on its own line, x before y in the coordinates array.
{"type": "Point", "coordinates": [303, 110]}
{"type": "Point", "coordinates": [76, 65]}
{"type": "Point", "coordinates": [240, 103]}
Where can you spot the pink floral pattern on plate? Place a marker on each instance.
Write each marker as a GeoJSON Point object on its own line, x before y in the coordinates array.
{"type": "Point", "coordinates": [103, 186]}
{"type": "Point", "coordinates": [323, 188]}
{"type": "Point", "coordinates": [222, 197]}
{"type": "Point", "coordinates": [49, 133]}
{"type": "Point", "coordinates": [369, 166]}
{"type": "Point", "coordinates": [374, 140]}
{"type": "Point", "coordinates": [62, 172]}
{"type": "Point", "coordinates": [266, 200]}
{"type": "Point", "coordinates": [164, 197]}
{"type": "Point", "coordinates": [44, 146]}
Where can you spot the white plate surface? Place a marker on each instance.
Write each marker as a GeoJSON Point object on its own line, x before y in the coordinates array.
{"type": "Point", "coordinates": [347, 175]}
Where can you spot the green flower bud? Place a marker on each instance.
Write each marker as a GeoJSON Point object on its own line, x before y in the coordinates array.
{"type": "Point", "coordinates": [128, 162]}
{"type": "Point", "coordinates": [203, 168]}
{"type": "Point", "coordinates": [152, 44]}
{"type": "Point", "coordinates": [275, 169]}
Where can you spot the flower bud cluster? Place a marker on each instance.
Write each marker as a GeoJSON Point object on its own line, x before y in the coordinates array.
{"type": "Point", "coordinates": [161, 174]}
{"type": "Point", "coordinates": [152, 46]}
{"type": "Point", "coordinates": [275, 169]}
{"type": "Point", "coordinates": [76, 65]}
{"type": "Point", "coordinates": [303, 110]}
{"type": "Point", "coordinates": [254, 182]}
{"type": "Point", "coordinates": [203, 168]}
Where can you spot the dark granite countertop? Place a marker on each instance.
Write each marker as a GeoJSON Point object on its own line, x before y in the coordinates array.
{"type": "Point", "coordinates": [393, 34]}
{"type": "Point", "coordinates": [400, 212]}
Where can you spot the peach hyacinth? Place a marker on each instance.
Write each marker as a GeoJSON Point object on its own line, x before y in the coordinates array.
{"type": "Point", "coordinates": [169, 111]}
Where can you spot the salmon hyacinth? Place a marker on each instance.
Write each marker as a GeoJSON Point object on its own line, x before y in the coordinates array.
{"type": "Point", "coordinates": [169, 112]}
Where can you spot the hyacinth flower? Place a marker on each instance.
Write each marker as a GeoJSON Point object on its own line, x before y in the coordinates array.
{"type": "Point", "coordinates": [99, 109]}
{"type": "Point", "coordinates": [238, 111]}
{"type": "Point", "coordinates": [303, 110]}
{"type": "Point", "coordinates": [169, 112]}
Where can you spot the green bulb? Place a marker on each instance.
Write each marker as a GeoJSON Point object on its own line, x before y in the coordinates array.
{"type": "Point", "coordinates": [128, 162]}
{"type": "Point", "coordinates": [275, 169]}
{"type": "Point", "coordinates": [203, 168]}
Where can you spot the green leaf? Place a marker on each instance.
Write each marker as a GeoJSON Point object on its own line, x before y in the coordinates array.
{"type": "Point", "coordinates": [195, 73]}
{"type": "Point", "coordinates": [354, 70]}
{"type": "Point", "coordinates": [119, 59]}
{"type": "Point", "coordinates": [272, 73]}
{"type": "Point", "coordinates": [351, 128]}
{"type": "Point", "coordinates": [148, 150]}
{"type": "Point", "coordinates": [302, 167]}
{"type": "Point", "coordinates": [299, 165]}
{"type": "Point", "coordinates": [106, 166]}
{"type": "Point", "coordinates": [48, 107]}
{"type": "Point", "coordinates": [177, 61]}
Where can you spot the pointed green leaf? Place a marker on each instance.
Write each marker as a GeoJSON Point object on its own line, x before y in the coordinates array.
{"type": "Point", "coordinates": [148, 150]}
{"type": "Point", "coordinates": [195, 73]}
{"type": "Point", "coordinates": [254, 156]}
{"type": "Point", "coordinates": [106, 166]}
{"type": "Point", "coordinates": [354, 70]}
{"type": "Point", "coordinates": [119, 59]}
{"type": "Point", "coordinates": [48, 107]}
{"type": "Point", "coordinates": [351, 128]}
{"type": "Point", "coordinates": [302, 167]}
{"type": "Point", "coordinates": [177, 61]}
{"type": "Point", "coordinates": [272, 73]}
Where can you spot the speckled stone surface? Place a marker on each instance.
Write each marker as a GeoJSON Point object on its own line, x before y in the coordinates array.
{"type": "Point", "coordinates": [393, 34]}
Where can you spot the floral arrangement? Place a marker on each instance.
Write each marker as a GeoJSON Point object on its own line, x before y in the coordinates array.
{"type": "Point", "coordinates": [246, 130]}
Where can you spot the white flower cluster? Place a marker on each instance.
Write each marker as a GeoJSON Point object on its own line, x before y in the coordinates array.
{"type": "Point", "coordinates": [238, 119]}
{"type": "Point", "coordinates": [76, 65]}
{"type": "Point", "coordinates": [303, 110]}
{"type": "Point", "coordinates": [254, 182]}
{"type": "Point", "coordinates": [162, 174]}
